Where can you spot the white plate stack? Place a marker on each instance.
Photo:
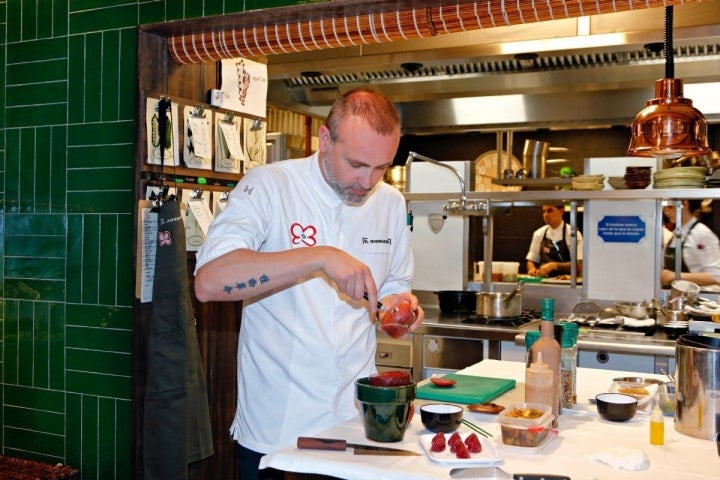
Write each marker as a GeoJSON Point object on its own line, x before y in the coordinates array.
{"type": "Point", "coordinates": [588, 182]}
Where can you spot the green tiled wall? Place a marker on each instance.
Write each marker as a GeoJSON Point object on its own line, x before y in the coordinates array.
{"type": "Point", "coordinates": [67, 130]}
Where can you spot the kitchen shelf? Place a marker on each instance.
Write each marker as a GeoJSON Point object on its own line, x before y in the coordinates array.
{"type": "Point", "coordinates": [535, 196]}
{"type": "Point", "coordinates": [533, 183]}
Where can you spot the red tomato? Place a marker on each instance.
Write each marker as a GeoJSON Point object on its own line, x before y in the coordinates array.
{"type": "Point", "coordinates": [393, 378]}
{"type": "Point", "coordinates": [443, 382]}
{"type": "Point", "coordinates": [396, 322]}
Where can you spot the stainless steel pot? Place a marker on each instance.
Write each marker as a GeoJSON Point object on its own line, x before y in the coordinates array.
{"type": "Point", "coordinates": [494, 305]}
{"type": "Point", "coordinates": [698, 382]}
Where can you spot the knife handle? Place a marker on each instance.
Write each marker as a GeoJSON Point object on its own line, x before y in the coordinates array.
{"type": "Point", "coordinates": [314, 443]}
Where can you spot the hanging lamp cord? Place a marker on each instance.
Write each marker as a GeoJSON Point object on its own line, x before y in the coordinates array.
{"type": "Point", "coordinates": [669, 64]}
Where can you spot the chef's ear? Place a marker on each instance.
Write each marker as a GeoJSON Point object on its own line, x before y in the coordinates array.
{"type": "Point", "coordinates": [324, 138]}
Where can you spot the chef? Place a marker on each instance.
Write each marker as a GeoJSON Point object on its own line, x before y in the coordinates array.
{"type": "Point", "coordinates": [699, 245]}
{"type": "Point", "coordinates": [549, 253]}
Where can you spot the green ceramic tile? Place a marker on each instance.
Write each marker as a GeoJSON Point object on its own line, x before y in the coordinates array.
{"type": "Point", "coordinates": [35, 268]}
{"type": "Point", "coordinates": [125, 276]}
{"type": "Point", "coordinates": [33, 419]}
{"type": "Point", "coordinates": [126, 89]}
{"type": "Point", "coordinates": [38, 72]}
{"type": "Point", "coordinates": [151, 11]}
{"type": "Point", "coordinates": [58, 174]}
{"type": "Point", "coordinates": [37, 50]}
{"type": "Point", "coordinates": [92, 361]}
{"type": "Point", "coordinates": [30, 94]}
{"type": "Point", "coordinates": [41, 345]}
{"type": "Point", "coordinates": [48, 444]}
{"type": "Point", "coordinates": [96, 19]}
{"type": "Point", "coordinates": [100, 156]}
{"type": "Point", "coordinates": [14, 28]}
{"type": "Point", "coordinates": [98, 339]}
{"type": "Point", "coordinates": [35, 224]}
{"type": "Point", "coordinates": [76, 83]}
{"type": "Point", "coordinates": [123, 434]}
{"type": "Point", "coordinates": [108, 248]}
{"type": "Point", "coordinates": [74, 264]}
{"type": "Point", "coordinates": [99, 316]}
{"type": "Point", "coordinates": [21, 245]}
{"type": "Point", "coordinates": [25, 344]}
{"type": "Point", "coordinates": [110, 68]}
{"type": "Point", "coordinates": [59, 19]}
{"type": "Point", "coordinates": [110, 133]}
{"type": "Point", "coordinates": [89, 438]}
{"type": "Point", "coordinates": [93, 77]}
{"type": "Point", "coordinates": [10, 339]}
{"type": "Point", "coordinates": [100, 179]}
{"type": "Point", "coordinates": [47, 114]}
{"type": "Point", "coordinates": [34, 398]}
{"type": "Point", "coordinates": [73, 430]}
{"type": "Point", "coordinates": [96, 384]}
{"type": "Point", "coordinates": [106, 423]}
{"type": "Point", "coordinates": [56, 347]}
{"type": "Point", "coordinates": [90, 267]}
{"type": "Point", "coordinates": [108, 202]}
{"type": "Point", "coordinates": [23, 289]}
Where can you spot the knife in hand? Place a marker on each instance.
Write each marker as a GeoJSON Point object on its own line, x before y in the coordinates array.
{"type": "Point", "coordinates": [314, 443]}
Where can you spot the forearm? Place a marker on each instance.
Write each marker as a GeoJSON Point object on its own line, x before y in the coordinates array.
{"type": "Point", "coordinates": [243, 273]}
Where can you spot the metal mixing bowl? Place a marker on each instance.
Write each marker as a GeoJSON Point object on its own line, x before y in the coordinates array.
{"type": "Point", "coordinates": [637, 310]}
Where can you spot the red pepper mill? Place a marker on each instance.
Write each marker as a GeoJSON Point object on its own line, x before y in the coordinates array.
{"type": "Point", "coordinates": [547, 348]}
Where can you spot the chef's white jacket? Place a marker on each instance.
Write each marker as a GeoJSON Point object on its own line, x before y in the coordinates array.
{"type": "Point", "coordinates": [700, 248]}
{"type": "Point", "coordinates": [301, 348]}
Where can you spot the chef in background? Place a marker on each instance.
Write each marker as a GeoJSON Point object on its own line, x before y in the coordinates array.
{"type": "Point", "coordinates": [549, 253]}
{"type": "Point", "coordinates": [699, 245]}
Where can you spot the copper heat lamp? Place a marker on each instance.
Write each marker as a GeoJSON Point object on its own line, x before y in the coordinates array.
{"type": "Point", "coordinates": [669, 126]}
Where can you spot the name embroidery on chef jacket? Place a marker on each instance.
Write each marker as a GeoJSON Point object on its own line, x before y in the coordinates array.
{"type": "Point", "coordinates": [303, 235]}
{"type": "Point", "coordinates": [376, 246]}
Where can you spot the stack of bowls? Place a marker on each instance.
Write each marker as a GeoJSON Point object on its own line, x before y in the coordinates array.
{"type": "Point", "coordinates": [680, 177]}
{"type": "Point", "coordinates": [637, 177]}
{"type": "Point", "coordinates": [588, 182]}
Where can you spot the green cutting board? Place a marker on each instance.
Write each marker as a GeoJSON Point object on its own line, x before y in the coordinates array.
{"type": "Point", "coordinates": [467, 389]}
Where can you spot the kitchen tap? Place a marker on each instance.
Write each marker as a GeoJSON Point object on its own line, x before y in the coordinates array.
{"type": "Point", "coordinates": [454, 206]}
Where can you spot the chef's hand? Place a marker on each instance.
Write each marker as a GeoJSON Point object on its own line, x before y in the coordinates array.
{"type": "Point", "coordinates": [352, 277]}
{"type": "Point", "coordinates": [391, 300]}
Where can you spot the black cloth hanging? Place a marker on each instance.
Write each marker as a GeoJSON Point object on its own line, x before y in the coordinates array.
{"type": "Point", "coordinates": [176, 425]}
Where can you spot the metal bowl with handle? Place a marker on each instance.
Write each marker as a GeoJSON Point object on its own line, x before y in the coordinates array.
{"type": "Point", "coordinates": [637, 310]}
{"type": "Point", "coordinates": [499, 304]}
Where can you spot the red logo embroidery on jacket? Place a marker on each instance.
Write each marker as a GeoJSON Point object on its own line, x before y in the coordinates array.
{"type": "Point", "coordinates": [302, 234]}
{"type": "Point", "coordinates": [164, 238]}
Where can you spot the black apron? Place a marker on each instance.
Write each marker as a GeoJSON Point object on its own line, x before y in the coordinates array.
{"type": "Point", "coordinates": [671, 253]}
{"type": "Point", "coordinates": [554, 251]}
{"type": "Point", "coordinates": [176, 427]}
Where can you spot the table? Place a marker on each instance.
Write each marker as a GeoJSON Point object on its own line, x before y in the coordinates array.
{"type": "Point", "coordinates": [582, 434]}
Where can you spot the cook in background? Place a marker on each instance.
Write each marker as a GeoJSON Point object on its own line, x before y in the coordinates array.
{"type": "Point", "coordinates": [300, 242]}
{"type": "Point", "coordinates": [549, 253]}
{"type": "Point", "coordinates": [699, 245]}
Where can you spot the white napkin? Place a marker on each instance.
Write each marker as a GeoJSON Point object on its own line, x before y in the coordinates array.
{"type": "Point", "coordinates": [623, 458]}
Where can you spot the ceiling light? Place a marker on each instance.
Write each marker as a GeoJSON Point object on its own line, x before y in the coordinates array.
{"type": "Point", "coordinates": [669, 126]}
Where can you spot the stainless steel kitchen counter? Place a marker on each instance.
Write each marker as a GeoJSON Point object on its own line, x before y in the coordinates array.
{"type": "Point", "coordinates": [620, 342]}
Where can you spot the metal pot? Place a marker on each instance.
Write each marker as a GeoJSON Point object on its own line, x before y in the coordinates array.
{"type": "Point", "coordinates": [494, 305]}
{"type": "Point", "coordinates": [639, 310]}
{"type": "Point", "coordinates": [697, 368]}
{"type": "Point", "coordinates": [456, 301]}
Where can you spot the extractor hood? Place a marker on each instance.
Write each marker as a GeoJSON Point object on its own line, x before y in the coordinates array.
{"type": "Point", "coordinates": [591, 81]}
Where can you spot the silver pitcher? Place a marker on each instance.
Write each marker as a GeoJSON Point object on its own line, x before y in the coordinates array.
{"type": "Point", "coordinates": [697, 374]}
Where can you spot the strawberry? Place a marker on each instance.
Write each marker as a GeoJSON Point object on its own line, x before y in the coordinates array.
{"type": "Point", "coordinates": [438, 442]}
{"type": "Point", "coordinates": [473, 443]}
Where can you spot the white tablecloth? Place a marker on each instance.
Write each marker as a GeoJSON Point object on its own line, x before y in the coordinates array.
{"type": "Point", "coordinates": [582, 433]}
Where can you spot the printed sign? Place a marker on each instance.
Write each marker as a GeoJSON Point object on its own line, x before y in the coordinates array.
{"type": "Point", "coordinates": [621, 229]}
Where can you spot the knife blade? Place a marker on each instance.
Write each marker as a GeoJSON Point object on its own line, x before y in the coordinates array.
{"type": "Point", "coordinates": [315, 443]}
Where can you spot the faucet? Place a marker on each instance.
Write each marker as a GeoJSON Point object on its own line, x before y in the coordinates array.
{"type": "Point", "coordinates": [479, 207]}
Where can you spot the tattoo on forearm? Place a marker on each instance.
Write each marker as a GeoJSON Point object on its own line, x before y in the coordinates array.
{"type": "Point", "coordinates": [253, 282]}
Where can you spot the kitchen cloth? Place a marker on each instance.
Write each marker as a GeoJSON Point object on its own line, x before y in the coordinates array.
{"type": "Point", "coordinates": [623, 458]}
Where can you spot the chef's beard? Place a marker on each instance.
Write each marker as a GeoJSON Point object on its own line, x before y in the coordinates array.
{"type": "Point", "coordinates": [347, 193]}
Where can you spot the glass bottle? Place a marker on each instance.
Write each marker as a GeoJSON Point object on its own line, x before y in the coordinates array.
{"type": "Point", "coordinates": [568, 364]}
{"type": "Point", "coordinates": [549, 348]}
{"type": "Point", "coordinates": [657, 426]}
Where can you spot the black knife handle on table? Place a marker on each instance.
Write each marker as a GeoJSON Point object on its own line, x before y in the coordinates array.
{"type": "Point", "coordinates": [313, 443]}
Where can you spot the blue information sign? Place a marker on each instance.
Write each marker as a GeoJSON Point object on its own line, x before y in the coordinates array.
{"type": "Point", "coordinates": [621, 229]}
